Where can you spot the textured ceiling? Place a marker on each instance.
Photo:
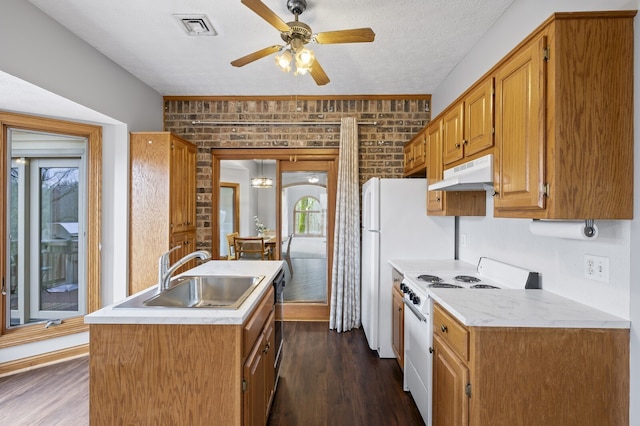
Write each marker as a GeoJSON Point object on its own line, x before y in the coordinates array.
{"type": "Point", "coordinates": [417, 43]}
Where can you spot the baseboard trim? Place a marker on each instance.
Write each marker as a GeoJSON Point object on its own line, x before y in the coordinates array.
{"type": "Point", "coordinates": [37, 361]}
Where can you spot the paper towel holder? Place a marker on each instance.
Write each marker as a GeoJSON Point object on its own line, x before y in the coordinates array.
{"type": "Point", "coordinates": [589, 228]}
{"type": "Point", "coordinates": [587, 231]}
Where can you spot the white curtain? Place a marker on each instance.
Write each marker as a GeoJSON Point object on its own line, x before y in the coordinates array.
{"type": "Point", "coordinates": [345, 280]}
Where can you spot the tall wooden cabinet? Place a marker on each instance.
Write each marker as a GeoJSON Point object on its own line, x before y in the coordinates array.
{"type": "Point", "coordinates": [162, 203]}
{"type": "Point", "coordinates": [564, 120]}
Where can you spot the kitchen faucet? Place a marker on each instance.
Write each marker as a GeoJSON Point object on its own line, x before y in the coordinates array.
{"type": "Point", "coordinates": [165, 271]}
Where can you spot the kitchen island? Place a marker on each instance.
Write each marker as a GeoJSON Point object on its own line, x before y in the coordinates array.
{"type": "Point", "coordinates": [161, 365]}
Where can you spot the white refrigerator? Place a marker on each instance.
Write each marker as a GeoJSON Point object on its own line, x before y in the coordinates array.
{"type": "Point", "coordinates": [395, 225]}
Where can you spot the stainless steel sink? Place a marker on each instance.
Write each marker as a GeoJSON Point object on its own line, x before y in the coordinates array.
{"type": "Point", "coordinates": [205, 291]}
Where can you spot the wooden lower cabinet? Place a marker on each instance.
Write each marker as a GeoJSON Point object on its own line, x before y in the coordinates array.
{"type": "Point", "coordinates": [259, 377]}
{"type": "Point", "coordinates": [528, 376]}
{"type": "Point", "coordinates": [183, 373]}
{"type": "Point", "coordinates": [397, 319]}
{"type": "Point", "coordinates": [450, 377]}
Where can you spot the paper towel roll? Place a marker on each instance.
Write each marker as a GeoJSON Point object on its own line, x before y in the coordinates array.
{"type": "Point", "coordinates": [562, 229]}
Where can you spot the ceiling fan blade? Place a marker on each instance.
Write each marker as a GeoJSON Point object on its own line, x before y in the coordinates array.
{"type": "Point", "coordinates": [318, 74]}
{"type": "Point", "coordinates": [240, 62]}
{"type": "Point", "coordinates": [267, 14]}
{"type": "Point", "coordinates": [358, 35]}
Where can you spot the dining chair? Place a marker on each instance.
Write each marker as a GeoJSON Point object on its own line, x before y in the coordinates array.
{"type": "Point", "coordinates": [251, 248]}
{"type": "Point", "coordinates": [286, 253]}
{"type": "Point", "coordinates": [231, 245]}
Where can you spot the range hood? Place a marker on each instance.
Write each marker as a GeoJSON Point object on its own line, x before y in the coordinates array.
{"type": "Point", "coordinates": [474, 175]}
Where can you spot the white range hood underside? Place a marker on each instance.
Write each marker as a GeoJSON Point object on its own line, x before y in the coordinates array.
{"type": "Point", "coordinates": [474, 175]}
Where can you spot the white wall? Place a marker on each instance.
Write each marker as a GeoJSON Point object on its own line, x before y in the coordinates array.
{"type": "Point", "coordinates": [560, 261]}
{"type": "Point", "coordinates": [46, 70]}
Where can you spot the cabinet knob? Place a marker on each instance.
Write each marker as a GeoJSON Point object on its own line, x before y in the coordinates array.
{"type": "Point", "coordinates": [444, 328]}
{"type": "Point", "coordinates": [438, 199]}
{"type": "Point", "coordinates": [465, 142]}
{"type": "Point", "coordinates": [458, 146]}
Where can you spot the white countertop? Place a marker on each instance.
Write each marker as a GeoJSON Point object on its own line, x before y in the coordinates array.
{"type": "Point", "coordinates": [521, 308]}
{"type": "Point", "coordinates": [162, 315]}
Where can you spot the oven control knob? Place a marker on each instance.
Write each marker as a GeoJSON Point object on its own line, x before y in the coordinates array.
{"type": "Point", "coordinates": [410, 293]}
{"type": "Point", "coordinates": [415, 299]}
{"type": "Point", "coordinates": [403, 287]}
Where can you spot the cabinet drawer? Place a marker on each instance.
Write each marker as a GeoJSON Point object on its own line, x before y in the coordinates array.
{"type": "Point", "coordinates": [253, 327]}
{"type": "Point", "coordinates": [451, 331]}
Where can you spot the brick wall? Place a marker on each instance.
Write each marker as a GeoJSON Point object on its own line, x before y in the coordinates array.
{"type": "Point", "coordinates": [398, 119]}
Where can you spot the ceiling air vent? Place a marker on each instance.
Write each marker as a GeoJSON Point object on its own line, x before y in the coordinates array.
{"type": "Point", "coordinates": [196, 25]}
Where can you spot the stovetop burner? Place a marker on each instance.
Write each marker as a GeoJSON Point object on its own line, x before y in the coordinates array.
{"type": "Point", "coordinates": [444, 285]}
{"type": "Point", "coordinates": [430, 278]}
{"type": "Point", "coordinates": [466, 279]}
{"type": "Point", "coordinates": [483, 286]}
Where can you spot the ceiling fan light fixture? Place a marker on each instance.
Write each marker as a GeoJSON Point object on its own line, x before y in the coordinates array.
{"type": "Point", "coordinates": [284, 61]}
{"type": "Point", "coordinates": [304, 58]}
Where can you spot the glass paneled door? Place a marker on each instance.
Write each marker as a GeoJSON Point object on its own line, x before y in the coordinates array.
{"type": "Point", "coordinates": [304, 228]}
{"type": "Point", "coordinates": [46, 225]}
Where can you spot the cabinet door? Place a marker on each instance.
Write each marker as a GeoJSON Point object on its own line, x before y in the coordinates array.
{"type": "Point", "coordinates": [452, 136]}
{"type": "Point", "coordinates": [397, 326]}
{"type": "Point", "coordinates": [408, 158]}
{"type": "Point", "coordinates": [269, 361]}
{"type": "Point", "coordinates": [254, 401]}
{"type": "Point", "coordinates": [183, 183]}
{"type": "Point", "coordinates": [450, 379]}
{"type": "Point", "coordinates": [435, 199]}
{"type": "Point", "coordinates": [187, 243]}
{"type": "Point", "coordinates": [520, 137]}
{"type": "Point", "coordinates": [419, 146]}
{"type": "Point", "coordinates": [478, 119]}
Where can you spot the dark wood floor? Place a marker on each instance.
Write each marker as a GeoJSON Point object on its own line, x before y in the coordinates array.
{"type": "Point", "coordinates": [326, 379]}
{"type": "Point", "coordinates": [330, 378]}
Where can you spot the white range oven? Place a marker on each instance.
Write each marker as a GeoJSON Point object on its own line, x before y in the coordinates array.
{"type": "Point", "coordinates": [489, 275]}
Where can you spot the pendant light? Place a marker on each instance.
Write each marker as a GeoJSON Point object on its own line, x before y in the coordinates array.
{"type": "Point", "coordinates": [263, 181]}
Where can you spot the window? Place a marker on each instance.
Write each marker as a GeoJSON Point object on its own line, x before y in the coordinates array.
{"type": "Point", "coordinates": [308, 217]}
{"type": "Point", "coordinates": [50, 227]}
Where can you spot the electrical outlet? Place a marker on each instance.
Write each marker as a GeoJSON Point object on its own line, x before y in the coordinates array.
{"type": "Point", "coordinates": [596, 268]}
{"type": "Point", "coordinates": [463, 240]}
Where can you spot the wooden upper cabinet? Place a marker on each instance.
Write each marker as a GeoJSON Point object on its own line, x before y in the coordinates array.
{"type": "Point", "coordinates": [519, 154]}
{"type": "Point", "coordinates": [468, 126]}
{"type": "Point", "coordinates": [452, 134]}
{"type": "Point", "coordinates": [435, 199]}
{"type": "Point", "coordinates": [415, 155]}
{"type": "Point", "coordinates": [444, 203]}
{"type": "Point", "coordinates": [478, 118]}
{"type": "Point", "coordinates": [564, 120]}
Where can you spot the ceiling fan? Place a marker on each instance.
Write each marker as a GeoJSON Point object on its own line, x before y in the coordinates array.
{"type": "Point", "coordinates": [296, 35]}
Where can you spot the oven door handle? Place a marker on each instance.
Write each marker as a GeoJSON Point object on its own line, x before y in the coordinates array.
{"type": "Point", "coordinates": [415, 311]}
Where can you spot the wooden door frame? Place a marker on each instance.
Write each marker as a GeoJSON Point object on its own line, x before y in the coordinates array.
{"type": "Point", "coordinates": [291, 311]}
